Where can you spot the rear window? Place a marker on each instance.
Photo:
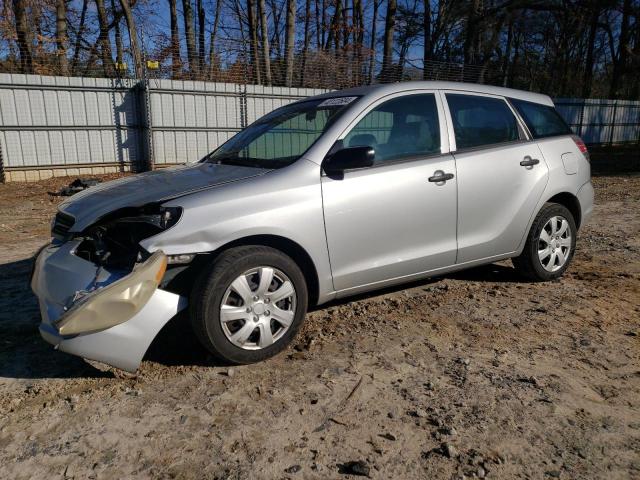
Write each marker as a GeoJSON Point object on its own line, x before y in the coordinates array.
{"type": "Point", "coordinates": [479, 121]}
{"type": "Point", "coordinates": [542, 120]}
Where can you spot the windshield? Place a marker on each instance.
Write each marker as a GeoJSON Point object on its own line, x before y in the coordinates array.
{"type": "Point", "coordinates": [282, 136]}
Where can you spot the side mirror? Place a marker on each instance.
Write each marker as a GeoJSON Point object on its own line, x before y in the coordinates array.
{"type": "Point", "coordinates": [348, 158]}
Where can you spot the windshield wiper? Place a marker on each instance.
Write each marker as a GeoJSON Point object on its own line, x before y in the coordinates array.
{"type": "Point", "coordinates": [240, 161]}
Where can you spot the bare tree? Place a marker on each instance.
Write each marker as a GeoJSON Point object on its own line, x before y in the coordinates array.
{"type": "Point", "coordinates": [22, 33]}
{"type": "Point", "coordinates": [118, 37]}
{"type": "Point", "coordinates": [588, 65]}
{"type": "Point", "coordinates": [176, 62]}
{"type": "Point", "coordinates": [372, 47]}
{"type": "Point", "coordinates": [103, 38]}
{"type": "Point", "coordinates": [305, 47]}
{"type": "Point", "coordinates": [79, 35]}
{"type": "Point", "coordinates": [133, 38]}
{"type": "Point", "coordinates": [266, 52]}
{"type": "Point", "coordinates": [212, 39]}
{"type": "Point", "coordinates": [201, 33]}
{"type": "Point", "coordinates": [289, 42]}
{"type": "Point", "coordinates": [426, 31]}
{"type": "Point", "coordinates": [187, 12]}
{"type": "Point", "coordinates": [620, 58]}
{"type": "Point", "coordinates": [253, 40]}
{"type": "Point", "coordinates": [389, 27]}
{"type": "Point", "coordinates": [61, 35]}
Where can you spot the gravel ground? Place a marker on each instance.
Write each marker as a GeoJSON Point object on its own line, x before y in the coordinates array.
{"type": "Point", "coordinates": [476, 374]}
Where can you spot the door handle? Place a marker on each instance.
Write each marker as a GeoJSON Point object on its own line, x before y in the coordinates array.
{"type": "Point", "coordinates": [529, 162]}
{"type": "Point", "coordinates": [439, 176]}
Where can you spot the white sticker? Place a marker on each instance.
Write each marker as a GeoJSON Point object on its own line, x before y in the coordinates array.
{"type": "Point", "coordinates": [337, 101]}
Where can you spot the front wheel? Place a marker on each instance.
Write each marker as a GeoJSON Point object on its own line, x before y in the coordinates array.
{"type": "Point", "coordinates": [249, 304]}
{"type": "Point", "coordinates": [550, 244]}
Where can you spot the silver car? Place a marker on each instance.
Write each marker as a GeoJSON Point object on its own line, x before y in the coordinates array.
{"type": "Point", "coordinates": [334, 195]}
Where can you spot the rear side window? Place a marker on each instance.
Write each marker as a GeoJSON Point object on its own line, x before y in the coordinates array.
{"type": "Point", "coordinates": [542, 120]}
{"type": "Point", "coordinates": [479, 121]}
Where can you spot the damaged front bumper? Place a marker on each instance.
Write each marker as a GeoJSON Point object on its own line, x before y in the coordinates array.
{"type": "Point", "coordinates": [105, 315]}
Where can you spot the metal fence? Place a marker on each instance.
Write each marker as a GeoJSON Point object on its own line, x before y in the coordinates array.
{"type": "Point", "coordinates": [602, 122]}
{"type": "Point", "coordinates": [58, 126]}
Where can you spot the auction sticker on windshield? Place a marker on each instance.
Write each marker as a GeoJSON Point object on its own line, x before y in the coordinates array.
{"type": "Point", "coordinates": [337, 101]}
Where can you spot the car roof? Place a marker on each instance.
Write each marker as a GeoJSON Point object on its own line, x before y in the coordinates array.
{"type": "Point", "coordinates": [383, 89]}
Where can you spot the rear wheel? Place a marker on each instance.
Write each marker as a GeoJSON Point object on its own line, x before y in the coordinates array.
{"type": "Point", "coordinates": [249, 304]}
{"type": "Point", "coordinates": [550, 244]}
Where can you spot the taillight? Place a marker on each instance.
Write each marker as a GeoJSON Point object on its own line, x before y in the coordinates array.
{"type": "Point", "coordinates": [581, 146]}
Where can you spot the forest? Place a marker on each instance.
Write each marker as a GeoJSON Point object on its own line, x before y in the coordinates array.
{"type": "Point", "coordinates": [565, 48]}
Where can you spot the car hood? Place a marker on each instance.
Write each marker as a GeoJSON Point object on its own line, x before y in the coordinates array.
{"type": "Point", "coordinates": [93, 203]}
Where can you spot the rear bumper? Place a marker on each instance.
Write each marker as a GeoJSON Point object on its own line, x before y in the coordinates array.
{"type": "Point", "coordinates": [59, 274]}
{"type": "Point", "coordinates": [586, 198]}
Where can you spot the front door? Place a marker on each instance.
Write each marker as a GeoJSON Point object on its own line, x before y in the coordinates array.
{"type": "Point", "coordinates": [398, 217]}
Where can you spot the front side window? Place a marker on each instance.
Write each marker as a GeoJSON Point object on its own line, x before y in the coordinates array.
{"type": "Point", "coordinates": [282, 136]}
{"type": "Point", "coordinates": [402, 127]}
{"type": "Point", "coordinates": [479, 121]}
{"type": "Point", "coordinates": [542, 120]}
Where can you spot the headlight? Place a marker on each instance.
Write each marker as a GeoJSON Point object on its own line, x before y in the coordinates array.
{"type": "Point", "coordinates": [115, 303]}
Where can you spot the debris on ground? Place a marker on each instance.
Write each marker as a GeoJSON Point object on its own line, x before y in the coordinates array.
{"type": "Point", "coordinates": [76, 186]}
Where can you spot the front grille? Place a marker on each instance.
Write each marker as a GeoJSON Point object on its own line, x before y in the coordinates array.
{"type": "Point", "coordinates": [61, 225]}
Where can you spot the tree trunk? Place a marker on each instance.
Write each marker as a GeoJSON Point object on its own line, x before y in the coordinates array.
{"type": "Point", "coordinates": [22, 33]}
{"type": "Point", "coordinates": [201, 32]}
{"type": "Point", "coordinates": [358, 26]}
{"type": "Point", "coordinates": [389, 27]}
{"type": "Point", "coordinates": [118, 36]}
{"type": "Point", "coordinates": [588, 64]}
{"type": "Point", "coordinates": [319, 43]}
{"type": "Point", "coordinates": [76, 49]}
{"type": "Point", "coordinates": [426, 30]}
{"type": "Point", "coordinates": [471, 32]}
{"type": "Point", "coordinates": [133, 38]}
{"type": "Point", "coordinates": [266, 51]}
{"type": "Point", "coordinates": [334, 29]}
{"type": "Point", "coordinates": [103, 38]}
{"type": "Point", "coordinates": [61, 35]}
{"type": "Point", "coordinates": [372, 53]}
{"type": "Point", "coordinates": [253, 40]}
{"type": "Point", "coordinates": [620, 62]}
{"type": "Point", "coordinates": [212, 40]}
{"type": "Point", "coordinates": [290, 36]}
{"type": "Point", "coordinates": [506, 60]}
{"type": "Point", "coordinates": [305, 47]}
{"type": "Point", "coordinates": [189, 36]}
{"type": "Point", "coordinates": [176, 65]}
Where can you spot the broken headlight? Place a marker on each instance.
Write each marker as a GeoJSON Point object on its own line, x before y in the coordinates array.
{"type": "Point", "coordinates": [115, 240]}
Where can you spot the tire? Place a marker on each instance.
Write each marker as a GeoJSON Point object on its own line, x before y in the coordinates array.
{"type": "Point", "coordinates": [541, 261]}
{"type": "Point", "coordinates": [233, 341]}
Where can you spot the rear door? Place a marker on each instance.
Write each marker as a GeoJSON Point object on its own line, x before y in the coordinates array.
{"type": "Point", "coordinates": [394, 219]}
{"type": "Point", "coordinates": [501, 175]}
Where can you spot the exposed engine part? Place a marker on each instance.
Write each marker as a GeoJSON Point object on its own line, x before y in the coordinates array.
{"type": "Point", "coordinates": [114, 242]}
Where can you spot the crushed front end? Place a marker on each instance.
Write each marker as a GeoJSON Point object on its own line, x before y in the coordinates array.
{"type": "Point", "coordinates": [100, 292]}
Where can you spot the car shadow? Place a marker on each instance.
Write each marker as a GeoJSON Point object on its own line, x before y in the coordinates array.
{"type": "Point", "coordinates": [492, 273]}
{"type": "Point", "coordinates": [24, 355]}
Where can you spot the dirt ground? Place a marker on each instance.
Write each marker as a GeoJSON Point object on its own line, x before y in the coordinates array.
{"type": "Point", "coordinates": [476, 374]}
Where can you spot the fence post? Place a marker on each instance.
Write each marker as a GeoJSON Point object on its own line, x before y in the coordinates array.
{"type": "Point", "coordinates": [144, 127]}
{"type": "Point", "coordinates": [584, 102]}
{"type": "Point", "coordinates": [2, 179]}
{"type": "Point", "coordinates": [613, 121]}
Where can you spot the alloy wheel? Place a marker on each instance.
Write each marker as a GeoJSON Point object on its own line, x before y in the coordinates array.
{"type": "Point", "coordinates": [554, 244]}
{"type": "Point", "coordinates": [258, 308]}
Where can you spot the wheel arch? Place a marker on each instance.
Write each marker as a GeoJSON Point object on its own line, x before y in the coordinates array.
{"type": "Point", "coordinates": [571, 202]}
{"type": "Point", "coordinates": [287, 246]}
